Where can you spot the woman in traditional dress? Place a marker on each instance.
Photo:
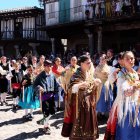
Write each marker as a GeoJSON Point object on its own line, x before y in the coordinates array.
{"type": "Point", "coordinates": [28, 99]}
{"type": "Point", "coordinates": [124, 119]}
{"type": "Point", "coordinates": [59, 71]}
{"type": "Point", "coordinates": [105, 96]}
{"type": "Point", "coordinates": [108, 8]}
{"type": "Point", "coordinates": [3, 86]}
{"type": "Point", "coordinates": [16, 78]}
{"type": "Point", "coordinates": [118, 9]}
{"type": "Point", "coordinates": [40, 65]}
{"type": "Point", "coordinates": [80, 121]}
{"type": "Point", "coordinates": [70, 70]}
{"type": "Point", "coordinates": [3, 80]}
{"type": "Point", "coordinates": [97, 9]}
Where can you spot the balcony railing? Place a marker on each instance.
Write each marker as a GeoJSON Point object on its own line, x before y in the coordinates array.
{"type": "Point", "coordinates": [28, 34]}
{"type": "Point", "coordinates": [94, 11]}
{"type": "Point", "coordinates": [111, 10]}
{"type": "Point", "coordinates": [22, 34]}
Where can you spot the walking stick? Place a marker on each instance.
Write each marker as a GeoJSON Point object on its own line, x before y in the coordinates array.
{"type": "Point", "coordinates": [40, 94]}
{"type": "Point", "coordinates": [10, 84]}
{"type": "Point", "coordinates": [23, 94]}
{"type": "Point", "coordinates": [59, 94]}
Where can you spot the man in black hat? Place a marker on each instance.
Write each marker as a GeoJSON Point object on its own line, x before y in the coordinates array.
{"type": "Point", "coordinates": [46, 87]}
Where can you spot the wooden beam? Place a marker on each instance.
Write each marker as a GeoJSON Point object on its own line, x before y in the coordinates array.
{"type": "Point", "coordinates": [122, 26]}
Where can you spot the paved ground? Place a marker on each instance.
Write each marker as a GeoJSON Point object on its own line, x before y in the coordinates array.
{"type": "Point", "coordinates": [13, 127]}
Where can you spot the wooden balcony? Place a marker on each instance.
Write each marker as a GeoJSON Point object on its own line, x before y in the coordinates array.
{"type": "Point", "coordinates": [18, 35]}
{"type": "Point", "coordinates": [29, 34]}
{"type": "Point", "coordinates": [75, 20]}
{"type": "Point", "coordinates": [91, 14]}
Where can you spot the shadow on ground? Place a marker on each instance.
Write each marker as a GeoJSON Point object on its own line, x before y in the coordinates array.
{"type": "Point", "coordinates": [57, 124]}
{"type": "Point", "coordinates": [37, 112]}
{"type": "Point", "coordinates": [24, 135]}
{"type": "Point", "coordinates": [5, 109]}
{"type": "Point", "coordinates": [58, 115]}
{"type": "Point", "coordinates": [13, 122]}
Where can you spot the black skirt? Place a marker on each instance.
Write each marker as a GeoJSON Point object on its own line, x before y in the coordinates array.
{"type": "Point", "coordinates": [16, 93]}
{"type": "Point", "coordinates": [3, 85]}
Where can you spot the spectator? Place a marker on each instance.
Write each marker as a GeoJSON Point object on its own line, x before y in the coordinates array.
{"type": "Point", "coordinates": [110, 57]}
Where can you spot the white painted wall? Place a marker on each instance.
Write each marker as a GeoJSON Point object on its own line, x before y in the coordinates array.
{"type": "Point", "coordinates": [84, 2]}
{"type": "Point", "coordinates": [74, 16]}
{"type": "Point", "coordinates": [78, 15]}
{"type": "Point", "coordinates": [55, 20]}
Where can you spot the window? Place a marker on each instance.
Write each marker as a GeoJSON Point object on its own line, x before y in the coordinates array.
{"type": "Point", "coordinates": [77, 6]}
{"type": "Point", "coordinates": [52, 10]}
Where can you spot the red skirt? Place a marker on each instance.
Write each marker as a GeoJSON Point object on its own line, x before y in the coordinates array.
{"type": "Point", "coordinates": [111, 127]}
{"type": "Point", "coordinates": [68, 121]}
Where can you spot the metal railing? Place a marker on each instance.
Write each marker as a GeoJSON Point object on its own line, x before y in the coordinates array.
{"type": "Point", "coordinates": [22, 34]}
{"type": "Point", "coordinates": [26, 34]}
{"type": "Point", "coordinates": [6, 35]}
{"type": "Point", "coordinates": [29, 34]}
{"type": "Point", "coordinates": [94, 11]}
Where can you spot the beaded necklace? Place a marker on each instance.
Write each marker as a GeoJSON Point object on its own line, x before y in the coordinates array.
{"type": "Point", "coordinates": [129, 77]}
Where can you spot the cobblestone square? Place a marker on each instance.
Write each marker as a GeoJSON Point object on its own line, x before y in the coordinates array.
{"type": "Point", "coordinates": [13, 126]}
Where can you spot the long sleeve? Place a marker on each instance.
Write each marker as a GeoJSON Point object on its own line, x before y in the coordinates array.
{"type": "Point", "coordinates": [111, 76]}
{"type": "Point", "coordinates": [120, 81]}
{"type": "Point", "coordinates": [37, 83]}
{"type": "Point", "coordinates": [9, 76]}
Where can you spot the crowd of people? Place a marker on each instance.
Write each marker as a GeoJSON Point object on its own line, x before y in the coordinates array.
{"type": "Point", "coordinates": [87, 89]}
{"type": "Point", "coordinates": [111, 8]}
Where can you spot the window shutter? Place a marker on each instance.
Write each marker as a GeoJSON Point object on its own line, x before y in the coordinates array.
{"type": "Point", "coordinates": [52, 10]}
{"type": "Point", "coordinates": [77, 6]}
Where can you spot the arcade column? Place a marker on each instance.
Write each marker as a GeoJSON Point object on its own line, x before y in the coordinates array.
{"type": "Point", "coordinates": [99, 49]}
{"type": "Point", "coordinates": [91, 43]}
{"type": "Point", "coordinates": [34, 48]}
{"type": "Point", "coordinates": [53, 45]}
{"type": "Point", "coordinates": [17, 51]}
{"type": "Point", "coordinates": [1, 50]}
